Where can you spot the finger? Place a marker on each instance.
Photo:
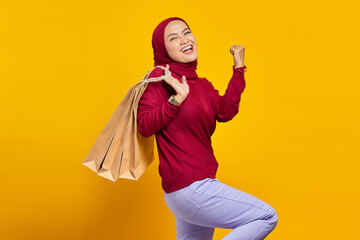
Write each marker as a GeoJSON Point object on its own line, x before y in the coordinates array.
{"type": "Point", "coordinates": [169, 80]}
{"type": "Point", "coordinates": [184, 80]}
{"type": "Point", "coordinates": [172, 81]}
{"type": "Point", "coordinates": [166, 69]}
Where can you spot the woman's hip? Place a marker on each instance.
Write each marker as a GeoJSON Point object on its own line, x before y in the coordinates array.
{"type": "Point", "coordinates": [211, 203]}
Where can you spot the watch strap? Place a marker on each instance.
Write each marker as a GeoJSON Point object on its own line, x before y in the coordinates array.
{"type": "Point", "coordinates": [244, 69]}
{"type": "Point", "coordinates": [173, 101]}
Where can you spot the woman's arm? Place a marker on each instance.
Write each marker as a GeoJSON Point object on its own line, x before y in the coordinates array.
{"type": "Point", "coordinates": [154, 110]}
{"type": "Point", "coordinates": [227, 106]}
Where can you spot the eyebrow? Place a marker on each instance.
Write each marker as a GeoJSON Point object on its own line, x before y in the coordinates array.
{"type": "Point", "coordinates": [175, 33]}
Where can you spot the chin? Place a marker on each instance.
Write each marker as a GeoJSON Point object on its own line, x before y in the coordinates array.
{"type": "Point", "coordinates": [190, 59]}
{"type": "Point", "coordinates": [185, 59]}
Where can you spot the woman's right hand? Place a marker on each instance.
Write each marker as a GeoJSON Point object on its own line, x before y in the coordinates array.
{"type": "Point", "coordinates": [182, 89]}
{"type": "Point", "coordinates": [238, 52]}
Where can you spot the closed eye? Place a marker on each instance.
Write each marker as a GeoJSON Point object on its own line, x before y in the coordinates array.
{"type": "Point", "coordinates": [175, 37]}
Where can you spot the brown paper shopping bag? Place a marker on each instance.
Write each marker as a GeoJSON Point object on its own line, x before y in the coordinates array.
{"type": "Point", "coordinates": [121, 151]}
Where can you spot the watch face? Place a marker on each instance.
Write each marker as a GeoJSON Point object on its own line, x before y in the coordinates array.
{"type": "Point", "coordinates": [173, 101]}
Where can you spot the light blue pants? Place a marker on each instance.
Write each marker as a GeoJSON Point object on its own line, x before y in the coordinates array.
{"type": "Point", "coordinates": [208, 204]}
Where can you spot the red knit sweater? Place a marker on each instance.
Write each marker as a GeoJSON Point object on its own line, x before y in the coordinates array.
{"type": "Point", "coordinates": [183, 132]}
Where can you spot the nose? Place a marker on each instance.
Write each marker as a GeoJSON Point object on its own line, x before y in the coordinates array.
{"type": "Point", "coordinates": [184, 40]}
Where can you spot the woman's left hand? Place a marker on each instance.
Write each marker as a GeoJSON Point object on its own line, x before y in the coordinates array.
{"type": "Point", "coordinates": [238, 52]}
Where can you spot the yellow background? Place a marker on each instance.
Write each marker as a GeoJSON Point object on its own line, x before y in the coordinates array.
{"type": "Point", "coordinates": [66, 65]}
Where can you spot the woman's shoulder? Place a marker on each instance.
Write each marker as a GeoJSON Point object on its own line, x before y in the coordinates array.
{"type": "Point", "coordinates": [156, 72]}
{"type": "Point", "coordinates": [204, 81]}
{"type": "Point", "coordinates": [161, 86]}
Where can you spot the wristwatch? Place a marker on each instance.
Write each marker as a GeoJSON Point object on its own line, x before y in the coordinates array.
{"type": "Point", "coordinates": [245, 69]}
{"type": "Point", "coordinates": [173, 101]}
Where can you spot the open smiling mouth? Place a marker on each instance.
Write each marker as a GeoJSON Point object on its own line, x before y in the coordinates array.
{"type": "Point", "coordinates": [187, 49]}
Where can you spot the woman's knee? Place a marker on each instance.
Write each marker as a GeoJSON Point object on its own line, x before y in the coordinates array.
{"type": "Point", "coordinates": [272, 217]}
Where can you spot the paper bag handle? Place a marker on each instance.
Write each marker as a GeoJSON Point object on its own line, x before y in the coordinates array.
{"type": "Point", "coordinates": [156, 79]}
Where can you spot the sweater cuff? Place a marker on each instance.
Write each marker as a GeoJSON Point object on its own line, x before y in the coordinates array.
{"type": "Point", "coordinates": [242, 69]}
{"type": "Point", "coordinates": [173, 109]}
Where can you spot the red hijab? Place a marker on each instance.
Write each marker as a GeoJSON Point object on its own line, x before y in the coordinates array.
{"type": "Point", "coordinates": [161, 56]}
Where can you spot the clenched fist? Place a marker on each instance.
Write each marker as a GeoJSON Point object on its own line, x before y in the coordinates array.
{"type": "Point", "coordinates": [238, 52]}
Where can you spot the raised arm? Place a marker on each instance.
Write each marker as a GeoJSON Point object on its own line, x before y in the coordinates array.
{"type": "Point", "coordinates": [227, 106]}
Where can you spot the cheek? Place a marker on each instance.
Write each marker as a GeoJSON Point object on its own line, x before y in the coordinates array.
{"type": "Point", "coordinates": [171, 48]}
{"type": "Point", "coordinates": [194, 40]}
{"type": "Point", "coordinates": [192, 37]}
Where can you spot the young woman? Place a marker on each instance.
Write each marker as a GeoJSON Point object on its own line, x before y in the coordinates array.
{"type": "Point", "coordinates": [182, 112]}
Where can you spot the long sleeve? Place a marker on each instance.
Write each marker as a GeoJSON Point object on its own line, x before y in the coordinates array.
{"type": "Point", "coordinates": [227, 106]}
{"type": "Point", "coordinates": [154, 110]}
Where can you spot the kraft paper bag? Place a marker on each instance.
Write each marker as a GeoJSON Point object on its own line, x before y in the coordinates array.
{"type": "Point", "coordinates": [121, 151]}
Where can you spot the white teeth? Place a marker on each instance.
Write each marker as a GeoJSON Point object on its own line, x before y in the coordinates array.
{"type": "Point", "coordinates": [188, 47]}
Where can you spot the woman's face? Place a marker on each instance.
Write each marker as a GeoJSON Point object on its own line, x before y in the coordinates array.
{"type": "Point", "coordinates": [178, 36]}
